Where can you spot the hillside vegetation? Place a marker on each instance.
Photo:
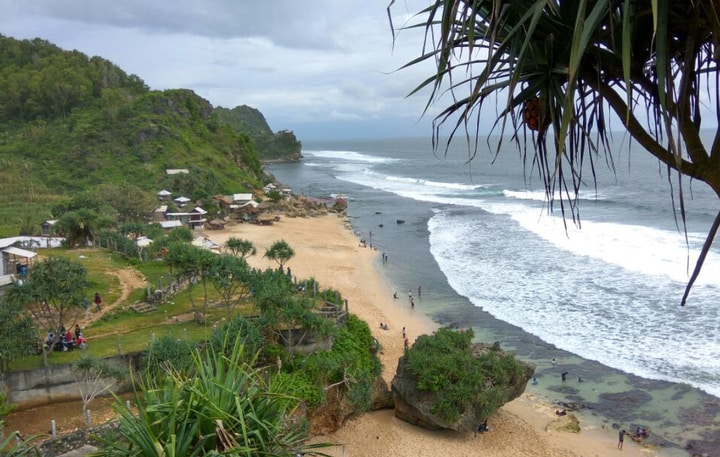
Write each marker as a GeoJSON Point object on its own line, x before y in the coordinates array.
{"type": "Point", "coordinates": [270, 146]}
{"type": "Point", "coordinates": [69, 122]}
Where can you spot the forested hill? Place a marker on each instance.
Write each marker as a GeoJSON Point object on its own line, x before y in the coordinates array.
{"type": "Point", "coordinates": [69, 122]}
{"type": "Point", "coordinates": [282, 145]}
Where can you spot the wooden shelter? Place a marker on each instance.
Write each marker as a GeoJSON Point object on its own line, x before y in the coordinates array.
{"type": "Point", "coordinates": [266, 219]}
{"type": "Point", "coordinates": [217, 224]}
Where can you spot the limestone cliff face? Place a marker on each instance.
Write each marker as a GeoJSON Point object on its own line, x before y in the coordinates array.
{"type": "Point", "coordinates": [414, 406]}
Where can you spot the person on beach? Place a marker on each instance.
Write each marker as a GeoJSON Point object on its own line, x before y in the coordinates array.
{"type": "Point", "coordinates": [403, 332]}
{"type": "Point", "coordinates": [419, 291]}
{"type": "Point", "coordinates": [412, 302]}
{"type": "Point", "coordinates": [407, 343]}
{"type": "Point", "coordinates": [621, 438]}
{"type": "Point", "coordinates": [563, 375]}
{"type": "Point", "coordinates": [410, 294]}
{"type": "Point", "coordinates": [395, 295]}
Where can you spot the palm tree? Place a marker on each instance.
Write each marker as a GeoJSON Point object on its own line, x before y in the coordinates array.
{"type": "Point", "coordinates": [560, 70]}
{"type": "Point", "coordinates": [280, 252]}
{"type": "Point", "coordinates": [240, 247]}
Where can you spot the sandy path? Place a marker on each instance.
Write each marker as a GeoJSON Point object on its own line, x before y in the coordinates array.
{"type": "Point", "coordinates": [129, 280]}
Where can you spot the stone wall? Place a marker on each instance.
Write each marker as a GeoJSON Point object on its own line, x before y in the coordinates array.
{"type": "Point", "coordinates": [29, 388]}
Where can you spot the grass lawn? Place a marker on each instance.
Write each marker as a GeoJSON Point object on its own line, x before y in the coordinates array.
{"type": "Point", "coordinates": [123, 330]}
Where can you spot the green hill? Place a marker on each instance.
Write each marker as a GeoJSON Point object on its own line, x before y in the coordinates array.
{"type": "Point", "coordinates": [69, 123]}
{"type": "Point", "coordinates": [270, 146]}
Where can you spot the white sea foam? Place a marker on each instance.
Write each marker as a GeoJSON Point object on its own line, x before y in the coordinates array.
{"type": "Point", "coordinates": [417, 189]}
{"type": "Point", "coordinates": [540, 196]}
{"type": "Point", "coordinates": [635, 248]}
{"type": "Point", "coordinates": [599, 311]}
{"type": "Point", "coordinates": [347, 155]}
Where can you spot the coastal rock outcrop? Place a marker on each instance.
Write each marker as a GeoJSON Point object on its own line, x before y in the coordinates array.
{"type": "Point", "coordinates": [567, 423]}
{"type": "Point", "coordinates": [414, 406]}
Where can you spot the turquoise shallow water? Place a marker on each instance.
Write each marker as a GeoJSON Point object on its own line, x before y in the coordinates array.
{"type": "Point", "coordinates": [484, 261]}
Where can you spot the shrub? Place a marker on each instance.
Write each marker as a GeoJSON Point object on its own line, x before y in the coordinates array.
{"type": "Point", "coordinates": [169, 352]}
{"type": "Point", "coordinates": [444, 364]}
{"type": "Point", "coordinates": [223, 337]}
{"type": "Point", "coordinates": [351, 361]}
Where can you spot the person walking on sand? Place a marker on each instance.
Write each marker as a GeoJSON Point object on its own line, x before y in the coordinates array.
{"type": "Point", "coordinates": [621, 438]}
{"type": "Point", "coordinates": [403, 332]}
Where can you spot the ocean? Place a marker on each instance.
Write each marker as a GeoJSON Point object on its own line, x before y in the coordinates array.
{"type": "Point", "coordinates": [598, 298]}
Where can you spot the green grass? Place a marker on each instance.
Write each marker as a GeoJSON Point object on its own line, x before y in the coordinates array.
{"type": "Point", "coordinates": [101, 266]}
{"type": "Point", "coordinates": [123, 329]}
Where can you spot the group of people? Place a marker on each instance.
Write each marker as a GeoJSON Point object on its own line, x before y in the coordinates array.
{"type": "Point", "coordinates": [410, 296]}
{"type": "Point", "coordinates": [67, 341]}
{"type": "Point", "coordinates": [640, 434]}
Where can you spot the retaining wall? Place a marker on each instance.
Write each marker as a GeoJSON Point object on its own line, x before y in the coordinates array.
{"type": "Point", "coordinates": [40, 386]}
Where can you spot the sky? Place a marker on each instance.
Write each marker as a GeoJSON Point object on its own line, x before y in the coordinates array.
{"type": "Point", "coordinates": [325, 69]}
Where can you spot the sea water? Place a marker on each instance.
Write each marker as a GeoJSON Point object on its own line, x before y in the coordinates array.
{"type": "Point", "coordinates": [599, 293]}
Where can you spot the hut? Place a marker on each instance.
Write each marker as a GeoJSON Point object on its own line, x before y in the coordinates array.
{"type": "Point", "coordinates": [217, 224]}
{"type": "Point", "coordinates": [265, 219]}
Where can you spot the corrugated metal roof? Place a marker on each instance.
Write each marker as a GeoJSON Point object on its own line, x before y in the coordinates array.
{"type": "Point", "coordinates": [20, 252]}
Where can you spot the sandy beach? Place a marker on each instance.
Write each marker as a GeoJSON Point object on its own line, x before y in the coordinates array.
{"type": "Point", "coordinates": [327, 250]}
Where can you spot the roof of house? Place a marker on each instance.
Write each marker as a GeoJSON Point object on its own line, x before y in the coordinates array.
{"type": "Point", "coordinates": [182, 199]}
{"type": "Point", "coordinates": [164, 193]}
{"type": "Point", "coordinates": [19, 252]}
{"type": "Point", "coordinates": [170, 224]}
{"type": "Point", "coordinates": [175, 171]}
{"type": "Point", "coordinates": [242, 197]}
{"type": "Point", "coordinates": [223, 199]}
{"type": "Point", "coordinates": [143, 241]}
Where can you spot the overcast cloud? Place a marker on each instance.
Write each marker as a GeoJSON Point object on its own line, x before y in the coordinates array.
{"type": "Point", "coordinates": [322, 68]}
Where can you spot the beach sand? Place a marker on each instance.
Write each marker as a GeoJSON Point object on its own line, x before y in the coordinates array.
{"type": "Point", "coordinates": [326, 249]}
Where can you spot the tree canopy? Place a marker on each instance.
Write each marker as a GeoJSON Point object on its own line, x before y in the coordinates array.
{"type": "Point", "coordinates": [561, 71]}
{"type": "Point", "coordinates": [280, 251]}
{"type": "Point", "coordinates": [53, 289]}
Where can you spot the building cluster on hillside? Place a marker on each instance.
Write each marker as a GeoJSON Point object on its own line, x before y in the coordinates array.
{"type": "Point", "coordinates": [18, 253]}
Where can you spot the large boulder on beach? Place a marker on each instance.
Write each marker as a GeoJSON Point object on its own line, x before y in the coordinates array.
{"type": "Point", "coordinates": [568, 423]}
{"type": "Point", "coordinates": [502, 379]}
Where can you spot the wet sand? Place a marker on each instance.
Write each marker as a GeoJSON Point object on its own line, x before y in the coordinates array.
{"type": "Point", "coordinates": [327, 250]}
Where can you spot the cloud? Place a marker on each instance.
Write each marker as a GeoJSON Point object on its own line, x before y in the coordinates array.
{"type": "Point", "coordinates": [301, 63]}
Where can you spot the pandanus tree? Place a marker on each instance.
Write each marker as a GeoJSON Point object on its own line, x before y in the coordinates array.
{"type": "Point", "coordinates": [280, 251]}
{"type": "Point", "coordinates": [560, 71]}
{"type": "Point", "coordinates": [221, 405]}
{"type": "Point", "coordinates": [240, 247]}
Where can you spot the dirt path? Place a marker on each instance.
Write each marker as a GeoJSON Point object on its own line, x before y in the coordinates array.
{"type": "Point", "coordinates": [129, 279]}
